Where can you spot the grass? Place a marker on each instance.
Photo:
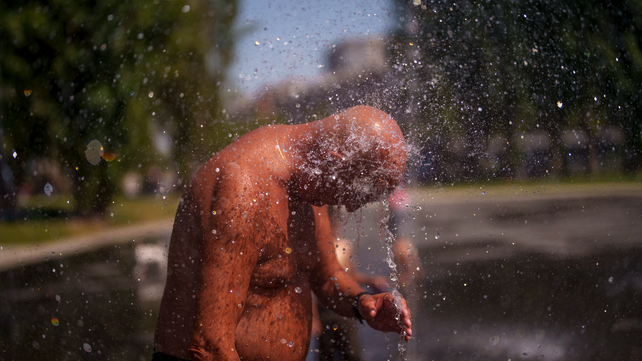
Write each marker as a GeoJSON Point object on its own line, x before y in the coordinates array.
{"type": "Point", "coordinates": [43, 219]}
{"type": "Point", "coordinates": [554, 188]}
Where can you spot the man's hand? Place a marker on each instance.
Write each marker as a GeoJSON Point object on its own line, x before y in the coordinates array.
{"type": "Point", "coordinates": [382, 314]}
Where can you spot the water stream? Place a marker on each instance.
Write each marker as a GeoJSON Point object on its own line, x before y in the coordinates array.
{"type": "Point", "coordinates": [387, 239]}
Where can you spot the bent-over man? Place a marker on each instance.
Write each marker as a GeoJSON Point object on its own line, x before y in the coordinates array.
{"type": "Point", "coordinates": [247, 248]}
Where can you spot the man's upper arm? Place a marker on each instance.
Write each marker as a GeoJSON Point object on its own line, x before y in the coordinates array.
{"type": "Point", "coordinates": [328, 273]}
{"type": "Point", "coordinates": [229, 255]}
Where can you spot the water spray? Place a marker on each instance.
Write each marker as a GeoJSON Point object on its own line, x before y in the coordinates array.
{"type": "Point", "coordinates": [388, 239]}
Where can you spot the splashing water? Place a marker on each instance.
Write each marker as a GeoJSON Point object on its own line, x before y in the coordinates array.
{"type": "Point", "coordinates": [388, 239]}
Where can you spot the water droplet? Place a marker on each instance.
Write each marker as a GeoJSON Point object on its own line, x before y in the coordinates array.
{"type": "Point", "coordinates": [140, 36]}
{"type": "Point", "coordinates": [151, 94]}
{"type": "Point", "coordinates": [185, 9]}
{"type": "Point", "coordinates": [48, 189]}
{"type": "Point", "coordinates": [217, 170]}
{"type": "Point", "coordinates": [611, 280]}
{"type": "Point", "coordinates": [284, 341]}
{"type": "Point", "coordinates": [257, 43]}
{"type": "Point", "coordinates": [291, 344]}
{"type": "Point", "coordinates": [55, 322]}
{"type": "Point", "coordinates": [213, 213]}
{"type": "Point", "coordinates": [94, 152]}
{"type": "Point", "coordinates": [213, 231]}
{"type": "Point", "coordinates": [28, 92]}
{"type": "Point", "coordinates": [86, 347]}
{"type": "Point", "coordinates": [15, 155]}
{"type": "Point", "coordinates": [438, 235]}
{"type": "Point", "coordinates": [298, 289]}
{"type": "Point", "coordinates": [483, 192]}
{"type": "Point", "coordinates": [288, 250]}
{"type": "Point", "coordinates": [560, 104]}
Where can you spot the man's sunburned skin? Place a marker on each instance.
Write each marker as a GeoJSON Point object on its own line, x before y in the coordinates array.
{"type": "Point", "coordinates": [246, 249]}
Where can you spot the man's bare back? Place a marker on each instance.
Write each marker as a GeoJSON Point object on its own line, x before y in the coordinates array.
{"type": "Point", "coordinates": [247, 249]}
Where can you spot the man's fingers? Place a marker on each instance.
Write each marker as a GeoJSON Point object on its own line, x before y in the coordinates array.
{"type": "Point", "coordinates": [372, 313]}
{"type": "Point", "coordinates": [371, 305]}
{"type": "Point", "coordinates": [379, 310]}
{"type": "Point", "coordinates": [407, 317]}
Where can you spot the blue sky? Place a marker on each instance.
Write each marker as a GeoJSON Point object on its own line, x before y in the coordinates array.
{"type": "Point", "coordinates": [281, 39]}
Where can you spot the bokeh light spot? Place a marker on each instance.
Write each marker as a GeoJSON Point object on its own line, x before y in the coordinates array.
{"type": "Point", "coordinates": [94, 152]}
{"type": "Point", "coordinates": [108, 156]}
{"type": "Point", "coordinates": [48, 189]}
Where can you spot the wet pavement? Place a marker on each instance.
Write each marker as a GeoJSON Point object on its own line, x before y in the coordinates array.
{"type": "Point", "coordinates": [93, 297]}
{"type": "Point", "coordinates": [509, 273]}
{"type": "Point", "coordinates": [520, 274]}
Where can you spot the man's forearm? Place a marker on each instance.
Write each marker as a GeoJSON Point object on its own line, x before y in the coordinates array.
{"type": "Point", "coordinates": [211, 351]}
{"type": "Point", "coordinates": [339, 293]}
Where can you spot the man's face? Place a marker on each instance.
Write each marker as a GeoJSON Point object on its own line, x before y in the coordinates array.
{"type": "Point", "coordinates": [354, 178]}
{"type": "Point", "coordinates": [355, 189]}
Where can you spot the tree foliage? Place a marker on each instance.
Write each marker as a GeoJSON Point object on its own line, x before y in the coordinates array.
{"type": "Point", "coordinates": [121, 72]}
{"type": "Point", "coordinates": [508, 68]}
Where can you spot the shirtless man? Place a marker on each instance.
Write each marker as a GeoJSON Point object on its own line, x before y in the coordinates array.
{"type": "Point", "coordinates": [246, 248]}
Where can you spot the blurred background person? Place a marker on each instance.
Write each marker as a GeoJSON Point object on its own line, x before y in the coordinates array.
{"type": "Point", "coordinates": [406, 256]}
{"type": "Point", "coordinates": [337, 335]}
{"type": "Point", "coordinates": [409, 268]}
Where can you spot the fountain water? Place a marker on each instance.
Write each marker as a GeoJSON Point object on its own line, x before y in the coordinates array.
{"type": "Point", "coordinates": [387, 240]}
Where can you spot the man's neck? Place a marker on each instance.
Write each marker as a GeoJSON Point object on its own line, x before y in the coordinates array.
{"type": "Point", "coordinates": [294, 142]}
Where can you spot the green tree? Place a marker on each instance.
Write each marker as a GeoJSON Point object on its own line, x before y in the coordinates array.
{"type": "Point", "coordinates": [115, 71]}
{"type": "Point", "coordinates": [515, 66]}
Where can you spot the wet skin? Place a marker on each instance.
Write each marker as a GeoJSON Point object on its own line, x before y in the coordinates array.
{"type": "Point", "coordinates": [246, 250]}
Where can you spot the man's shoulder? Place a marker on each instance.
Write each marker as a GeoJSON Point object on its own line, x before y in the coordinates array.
{"type": "Point", "coordinates": [234, 180]}
{"type": "Point", "coordinates": [221, 173]}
